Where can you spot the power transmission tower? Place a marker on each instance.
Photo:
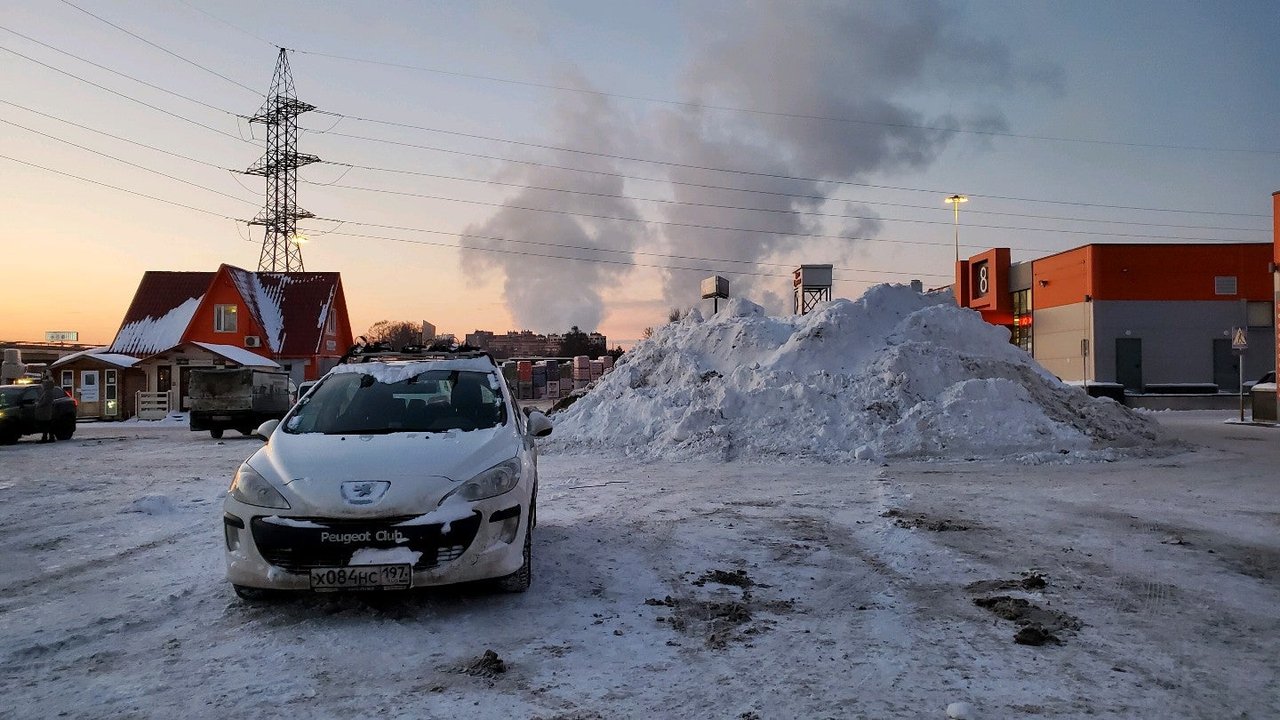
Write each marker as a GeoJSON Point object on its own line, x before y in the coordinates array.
{"type": "Point", "coordinates": [281, 250]}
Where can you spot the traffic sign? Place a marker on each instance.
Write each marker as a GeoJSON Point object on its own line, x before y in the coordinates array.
{"type": "Point", "coordinates": [1239, 339]}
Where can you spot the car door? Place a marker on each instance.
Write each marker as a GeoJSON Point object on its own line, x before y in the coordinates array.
{"type": "Point", "coordinates": [27, 410]}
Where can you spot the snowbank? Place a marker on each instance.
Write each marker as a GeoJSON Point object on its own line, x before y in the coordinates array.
{"type": "Point", "coordinates": [892, 374]}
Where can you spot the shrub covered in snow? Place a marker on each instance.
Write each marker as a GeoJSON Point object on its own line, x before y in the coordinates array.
{"type": "Point", "coordinates": [892, 374]}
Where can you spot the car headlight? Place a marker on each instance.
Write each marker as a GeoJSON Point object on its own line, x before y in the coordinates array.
{"type": "Point", "coordinates": [251, 488]}
{"type": "Point", "coordinates": [492, 482]}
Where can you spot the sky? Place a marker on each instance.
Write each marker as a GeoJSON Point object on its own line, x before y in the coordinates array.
{"type": "Point", "coordinates": [539, 165]}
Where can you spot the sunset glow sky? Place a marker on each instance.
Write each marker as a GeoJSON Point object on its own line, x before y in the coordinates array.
{"type": "Point", "coordinates": [815, 132]}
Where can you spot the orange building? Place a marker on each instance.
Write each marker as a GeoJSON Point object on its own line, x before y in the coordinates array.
{"type": "Point", "coordinates": [182, 320]}
{"type": "Point", "coordinates": [1133, 314]}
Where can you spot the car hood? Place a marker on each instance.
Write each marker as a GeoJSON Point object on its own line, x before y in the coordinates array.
{"type": "Point", "coordinates": [421, 467]}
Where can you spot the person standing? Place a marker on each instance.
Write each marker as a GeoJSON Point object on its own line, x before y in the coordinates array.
{"type": "Point", "coordinates": [44, 407]}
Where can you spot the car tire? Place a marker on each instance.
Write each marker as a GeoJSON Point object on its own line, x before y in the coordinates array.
{"type": "Point", "coordinates": [518, 581]}
{"type": "Point", "coordinates": [216, 434]}
{"type": "Point", "coordinates": [9, 438]}
{"type": "Point", "coordinates": [65, 429]}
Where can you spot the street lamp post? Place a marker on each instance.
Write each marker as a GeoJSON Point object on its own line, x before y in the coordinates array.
{"type": "Point", "coordinates": [954, 201]}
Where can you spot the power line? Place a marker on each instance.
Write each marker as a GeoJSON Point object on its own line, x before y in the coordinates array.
{"type": "Point", "coordinates": [795, 116]}
{"type": "Point", "coordinates": [162, 48]}
{"type": "Point", "coordinates": [153, 86]}
{"type": "Point", "coordinates": [730, 188]}
{"type": "Point", "coordinates": [605, 261]}
{"type": "Point", "coordinates": [599, 249]}
{"type": "Point", "coordinates": [117, 137]}
{"type": "Point", "coordinates": [126, 162]}
{"type": "Point", "coordinates": [123, 95]}
{"type": "Point", "coordinates": [462, 235]}
{"type": "Point", "coordinates": [784, 211]}
{"type": "Point", "coordinates": [753, 173]}
{"type": "Point", "coordinates": [117, 187]}
{"type": "Point", "coordinates": [702, 226]}
{"type": "Point", "coordinates": [339, 117]}
{"type": "Point", "coordinates": [208, 14]}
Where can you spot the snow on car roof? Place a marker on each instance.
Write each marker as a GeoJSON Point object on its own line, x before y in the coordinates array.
{"type": "Point", "coordinates": [398, 370]}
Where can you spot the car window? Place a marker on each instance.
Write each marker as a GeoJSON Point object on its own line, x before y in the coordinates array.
{"type": "Point", "coordinates": [432, 401]}
{"type": "Point", "coordinates": [10, 397]}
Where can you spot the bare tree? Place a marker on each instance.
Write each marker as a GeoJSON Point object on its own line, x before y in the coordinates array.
{"type": "Point", "coordinates": [396, 333]}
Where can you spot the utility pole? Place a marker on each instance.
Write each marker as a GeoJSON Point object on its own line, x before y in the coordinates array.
{"type": "Point", "coordinates": [954, 201]}
{"type": "Point", "coordinates": [281, 243]}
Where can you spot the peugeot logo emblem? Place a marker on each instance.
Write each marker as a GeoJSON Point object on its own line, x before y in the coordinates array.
{"type": "Point", "coordinates": [364, 492]}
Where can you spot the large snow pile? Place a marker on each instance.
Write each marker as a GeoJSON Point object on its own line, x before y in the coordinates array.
{"type": "Point", "coordinates": [892, 374]}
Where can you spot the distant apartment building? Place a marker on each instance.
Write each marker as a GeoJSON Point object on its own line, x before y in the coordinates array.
{"type": "Point", "coordinates": [524, 343]}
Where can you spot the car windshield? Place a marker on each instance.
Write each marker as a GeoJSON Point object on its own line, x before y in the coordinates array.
{"type": "Point", "coordinates": [432, 401]}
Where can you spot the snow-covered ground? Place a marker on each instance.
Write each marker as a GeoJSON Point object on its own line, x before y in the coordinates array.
{"type": "Point", "coordinates": [696, 588]}
{"type": "Point", "coordinates": [880, 509]}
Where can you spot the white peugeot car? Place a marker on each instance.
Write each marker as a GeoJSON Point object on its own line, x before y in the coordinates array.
{"type": "Point", "coordinates": [390, 474]}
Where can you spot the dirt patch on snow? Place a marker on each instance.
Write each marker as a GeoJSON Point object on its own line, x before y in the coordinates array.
{"type": "Point", "coordinates": [920, 520]}
{"type": "Point", "coordinates": [1037, 626]}
{"type": "Point", "coordinates": [736, 578]}
{"type": "Point", "coordinates": [722, 619]}
{"type": "Point", "coordinates": [1029, 581]}
{"type": "Point", "coordinates": [487, 666]}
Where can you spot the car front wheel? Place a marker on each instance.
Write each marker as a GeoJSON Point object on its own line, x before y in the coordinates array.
{"type": "Point", "coordinates": [519, 580]}
{"type": "Point", "coordinates": [216, 434]}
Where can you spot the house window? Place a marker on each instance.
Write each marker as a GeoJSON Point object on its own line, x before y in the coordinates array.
{"type": "Point", "coordinates": [224, 318]}
{"type": "Point", "coordinates": [1224, 285]}
{"type": "Point", "coordinates": [68, 380]}
{"type": "Point", "coordinates": [1021, 335]}
{"type": "Point", "coordinates": [331, 325]}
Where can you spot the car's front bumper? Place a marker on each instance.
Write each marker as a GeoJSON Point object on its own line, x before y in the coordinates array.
{"type": "Point", "coordinates": [265, 552]}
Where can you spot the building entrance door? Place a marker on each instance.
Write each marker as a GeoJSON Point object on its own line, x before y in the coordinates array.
{"type": "Point", "coordinates": [1129, 363]}
{"type": "Point", "coordinates": [1226, 366]}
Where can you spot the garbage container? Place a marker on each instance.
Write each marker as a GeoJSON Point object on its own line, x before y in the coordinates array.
{"type": "Point", "coordinates": [1263, 397]}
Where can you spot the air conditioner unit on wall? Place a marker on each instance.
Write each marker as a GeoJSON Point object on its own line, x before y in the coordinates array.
{"type": "Point", "coordinates": [252, 341]}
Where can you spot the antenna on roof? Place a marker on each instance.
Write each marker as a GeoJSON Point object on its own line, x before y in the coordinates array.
{"type": "Point", "coordinates": [281, 244]}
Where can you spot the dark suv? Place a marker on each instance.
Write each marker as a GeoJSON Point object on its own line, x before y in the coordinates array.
{"type": "Point", "coordinates": [18, 413]}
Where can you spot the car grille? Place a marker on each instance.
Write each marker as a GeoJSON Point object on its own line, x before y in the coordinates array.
{"type": "Point", "coordinates": [298, 549]}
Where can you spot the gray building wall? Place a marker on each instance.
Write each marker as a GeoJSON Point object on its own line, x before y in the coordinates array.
{"type": "Point", "coordinates": [1177, 338]}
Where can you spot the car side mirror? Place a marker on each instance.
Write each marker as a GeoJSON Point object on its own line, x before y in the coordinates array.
{"type": "Point", "coordinates": [265, 429]}
{"type": "Point", "coordinates": [539, 424]}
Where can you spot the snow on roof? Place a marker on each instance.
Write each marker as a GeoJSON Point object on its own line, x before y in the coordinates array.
{"type": "Point", "coordinates": [239, 355]}
{"type": "Point", "coordinates": [264, 302]}
{"type": "Point", "coordinates": [156, 334]}
{"type": "Point", "coordinates": [98, 353]}
{"type": "Point", "coordinates": [892, 374]}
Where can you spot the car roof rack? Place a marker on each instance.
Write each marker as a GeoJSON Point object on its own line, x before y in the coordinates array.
{"type": "Point", "coordinates": [364, 351]}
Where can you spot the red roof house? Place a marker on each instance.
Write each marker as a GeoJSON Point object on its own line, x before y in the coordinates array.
{"type": "Point", "coordinates": [186, 319]}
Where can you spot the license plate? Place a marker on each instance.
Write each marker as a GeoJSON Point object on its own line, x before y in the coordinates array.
{"type": "Point", "coordinates": [362, 577]}
{"type": "Point", "coordinates": [220, 418]}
